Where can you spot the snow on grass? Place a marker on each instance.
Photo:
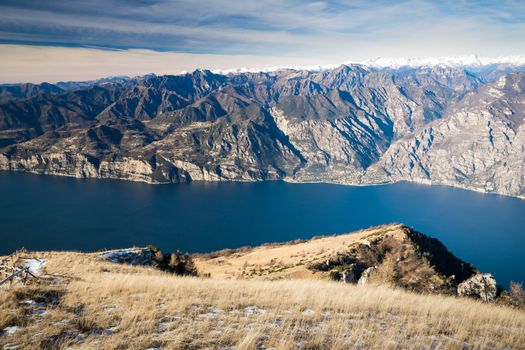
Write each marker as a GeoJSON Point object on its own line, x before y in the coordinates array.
{"type": "Point", "coordinates": [135, 256]}
{"type": "Point", "coordinates": [308, 312]}
{"type": "Point", "coordinates": [10, 330]}
{"type": "Point", "coordinates": [11, 346]}
{"type": "Point", "coordinates": [212, 313]}
{"type": "Point", "coordinates": [254, 310]}
{"type": "Point", "coordinates": [39, 312]}
{"type": "Point", "coordinates": [34, 265]}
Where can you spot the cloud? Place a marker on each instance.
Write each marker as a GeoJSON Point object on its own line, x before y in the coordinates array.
{"type": "Point", "coordinates": [307, 30]}
{"type": "Point", "coordinates": [260, 27]}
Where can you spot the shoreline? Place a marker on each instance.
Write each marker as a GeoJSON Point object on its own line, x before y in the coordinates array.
{"type": "Point", "coordinates": [287, 180]}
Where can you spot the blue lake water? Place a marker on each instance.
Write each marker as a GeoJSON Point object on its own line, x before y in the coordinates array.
{"type": "Point", "coordinates": [57, 213]}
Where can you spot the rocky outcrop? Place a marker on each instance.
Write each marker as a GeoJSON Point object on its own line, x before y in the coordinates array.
{"type": "Point", "coordinates": [351, 125]}
{"type": "Point", "coordinates": [177, 263]}
{"type": "Point", "coordinates": [481, 286]}
{"type": "Point", "coordinates": [406, 258]}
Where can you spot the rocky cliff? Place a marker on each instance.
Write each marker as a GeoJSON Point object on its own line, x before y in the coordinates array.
{"type": "Point", "coordinates": [352, 124]}
{"type": "Point", "coordinates": [479, 145]}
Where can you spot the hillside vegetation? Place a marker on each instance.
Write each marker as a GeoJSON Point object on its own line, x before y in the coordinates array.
{"type": "Point", "coordinates": [86, 301]}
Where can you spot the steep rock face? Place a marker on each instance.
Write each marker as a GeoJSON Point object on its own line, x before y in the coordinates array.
{"type": "Point", "coordinates": [154, 171]}
{"type": "Point", "coordinates": [352, 124]}
{"type": "Point", "coordinates": [480, 145]}
{"type": "Point", "coordinates": [67, 164]}
{"type": "Point", "coordinates": [340, 143]}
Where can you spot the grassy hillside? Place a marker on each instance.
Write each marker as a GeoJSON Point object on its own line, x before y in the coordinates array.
{"type": "Point", "coordinates": [81, 301]}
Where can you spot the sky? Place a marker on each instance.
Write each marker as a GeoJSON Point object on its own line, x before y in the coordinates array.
{"type": "Point", "coordinates": [55, 40]}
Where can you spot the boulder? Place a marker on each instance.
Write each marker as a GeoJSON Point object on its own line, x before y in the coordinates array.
{"type": "Point", "coordinates": [365, 276]}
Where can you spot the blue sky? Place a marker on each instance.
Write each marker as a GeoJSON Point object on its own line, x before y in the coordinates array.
{"type": "Point", "coordinates": [262, 31]}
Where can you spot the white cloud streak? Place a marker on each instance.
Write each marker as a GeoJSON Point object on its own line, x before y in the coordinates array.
{"type": "Point", "coordinates": [250, 33]}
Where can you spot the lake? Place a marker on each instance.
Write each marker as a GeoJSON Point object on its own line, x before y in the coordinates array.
{"type": "Point", "coordinates": [58, 213]}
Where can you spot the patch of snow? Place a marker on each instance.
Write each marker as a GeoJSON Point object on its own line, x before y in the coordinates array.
{"type": "Point", "coordinates": [394, 63]}
{"type": "Point", "coordinates": [110, 308]}
{"type": "Point", "coordinates": [11, 346]}
{"type": "Point", "coordinates": [308, 312]}
{"type": "Point", "coordinates": [108, 331]}
{"type": "Point", "coordinates": [315, 68]}
{"type": "Point", "coordinates": [254, 310]}
{"type": "Point", "coordinates": [11, 330]}
{"type": "Point", "coordinates": [34, 265]}
{"type": "Point", "coordinates": [81, 336]}
{"type": "Point", "coordinates": [447, 61]}
{"type": "Point", "coordinates": [62, 323]}
{"type": "Point", "coordinates": [212, 313]}
{"type": "Point", "coordinates": [32, 302]}
{"type": "Point", "coordinates": [139, 256]}
{"type": "Point", "coordinates": [39, 312]}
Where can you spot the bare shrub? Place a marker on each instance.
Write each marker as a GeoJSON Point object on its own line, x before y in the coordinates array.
{"type": "Point", "coordinates": [178, 263]}
{"type": "Point", "coordinates": [514, 297]}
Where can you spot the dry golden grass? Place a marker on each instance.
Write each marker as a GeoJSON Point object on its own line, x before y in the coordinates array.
{"type": "Point", "coordinates": [284, 261]}
{"type": "Point", "coordinates": [101, 305]}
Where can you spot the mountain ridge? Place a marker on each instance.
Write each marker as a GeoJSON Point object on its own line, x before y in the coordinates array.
{"type": "Point", "coordinates": [342, 125]}
{"type": "Point", "coordinates": [472, 60]}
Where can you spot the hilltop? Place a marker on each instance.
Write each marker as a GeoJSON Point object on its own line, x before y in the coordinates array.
{"type": "Point", "coordinates": [391, 255]}
{"type": "Point", "coordinates": [282, 296]}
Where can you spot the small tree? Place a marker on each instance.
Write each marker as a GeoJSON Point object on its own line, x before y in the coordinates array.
{"type": "Point", "coordinates": [176, 263]}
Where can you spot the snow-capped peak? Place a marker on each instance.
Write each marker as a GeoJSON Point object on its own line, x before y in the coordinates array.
{"type": "Point", "coordinates": [396, 63]}
{"type": "Point", "coordinates": [450, 61]}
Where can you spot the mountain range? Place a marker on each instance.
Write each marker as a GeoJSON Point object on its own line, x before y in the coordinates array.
{"type": "Point", "coordinates": [458, 124]}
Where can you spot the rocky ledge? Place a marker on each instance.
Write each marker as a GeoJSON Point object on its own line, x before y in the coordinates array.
{"type": "Point", "coordinates": [409, 259]}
